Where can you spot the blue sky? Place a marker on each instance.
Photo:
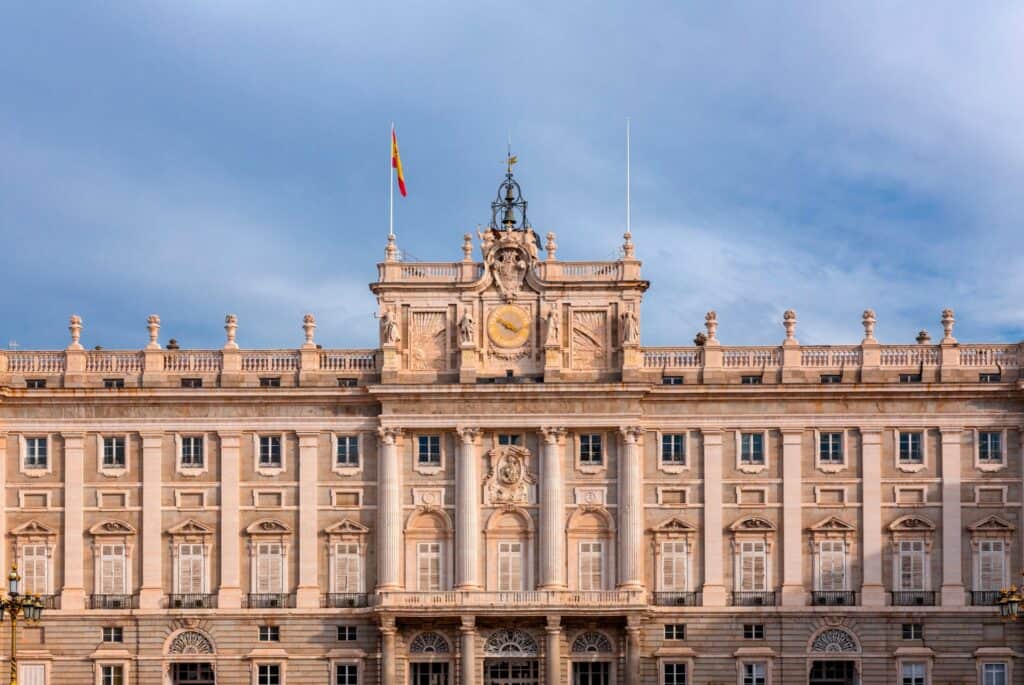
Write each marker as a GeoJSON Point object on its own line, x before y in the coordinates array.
{"type": "Point", "coordinates": [197, 158]}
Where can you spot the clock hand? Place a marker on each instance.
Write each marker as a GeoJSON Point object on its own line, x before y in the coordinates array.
{"type": "Point", "coordinates": [509, 326]}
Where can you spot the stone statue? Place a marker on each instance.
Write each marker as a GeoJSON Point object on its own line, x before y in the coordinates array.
{"type": "Point", "coordinates": [388, 328]}
{"type": "Point", "coordinates": [630, 328]}
{"type": "Point", "coordinates": [467, 327]}
{"type": "Point", "coordinates": [552, 337]}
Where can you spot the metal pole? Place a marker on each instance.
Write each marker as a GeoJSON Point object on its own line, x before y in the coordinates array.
{"type": "Point", "coordinates": [391, 181]}
{"type": "Point", "coordinates": [14, 645]}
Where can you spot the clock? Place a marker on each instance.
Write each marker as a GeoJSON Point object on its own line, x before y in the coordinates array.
{"type": "Point", "coordinates": [508, 326]}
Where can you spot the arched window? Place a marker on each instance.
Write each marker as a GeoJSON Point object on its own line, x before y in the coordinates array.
{"type": "Point", "coordinates": [511, 643]}
{"type": "Point", "coordinates": [592, 642]}
{"type": "Point", "coordinates": [429, 643]}
{"type": "Point", "coordinates": [834, 640]}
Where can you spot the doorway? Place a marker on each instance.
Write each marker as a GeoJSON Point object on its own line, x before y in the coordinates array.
{"type": "Point", "coordinates": [511, 672]}
{"type": "Point", "coordinates": [591, 673]}
{"type": "Point", "coordinates": [833, 673]}
{"type": "Point", "coordinates": [429, 673]}
{"type": "Point", "coordinates": [192, 674]}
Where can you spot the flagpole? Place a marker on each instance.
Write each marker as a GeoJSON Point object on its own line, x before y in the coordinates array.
{"type": "Point", "coordinates": [391, 181]}
{"type": "Point", "coordinates": [628, 218]}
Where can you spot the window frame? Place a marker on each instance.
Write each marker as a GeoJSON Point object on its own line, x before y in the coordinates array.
{"type": "Point", "coordinates": [916, 631]}
{"type": "Point", "coordinates": [268, 633]}
{"type": "Point", "coordinates": [844, 450]}
{"type": "Point", "coordinates": [357, 556]}
{"type": "Point", "coordinates": [988, 465]}
{"type": "Point", "coordinates": [269, 469]}
{"type": "Point", "coordinates": [282, 672]}
{"type": "Point", "coordinates": [112, 635]}
{"type": "Point", "coordinates": [602, 566]}
{"type": "Point", "coordinates": [191, 470]}
{"type": "Point", "coordinates": [914, 661]}
{"type": "Point", "coordinates": [741, 668]}
{"type": "Point", "coordinates": [125, 667]}
{"type": "Point", "coordinates": [897, 582]}
{"type": "Point", "coordinates": [356, 663]}
{"type": "Point", "coordinates": [591, 467]}
{"type": "Point", "coordinates": [439, 555]}
{"type": "Point", "coordinates": [509, 556]}
{"type": "Point", "coordinates": [347, 468]}
{"type": "Point", "coordinates": [35, 472]}
{"type": "Point", "coordinates": [113, 471]}
{"type": "Point", "coordinates": [751, 466]}
{"type": "Point", "coordinates": [910, 466]}
{"type": "Point", "coordinates": [674, 632]}
{"type": "Point", "coordinates": [664, 558]}
{"type": "Point", "coordinates": [429, 468]}
{"type": "Point", "coordinates": [1007, 665]}
{"type": "Point", "coordinates": [673, 466]}
{"type": "Point", "coordinates": [684, 661]}
{"type": "Point", "coordinates": [254, 573]}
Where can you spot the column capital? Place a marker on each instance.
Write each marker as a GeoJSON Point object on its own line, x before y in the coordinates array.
{"type": "Point", "coordinates": [229, 438]}
{"type": "Point", "coordinates": [387, 625]}
{"type": "Point", "coordinates": [389, 434]}
{"type": "Point", "coordinates": [871, 436]}
{"type": "Point", "coordinates": [792, 435]}
{"type": "Point", "coordinates": [152, 435]}
{"type": "Point", "coordinates": [468, 434]}
{"type": "Point", "coordinates": [467, 624]}
{"type": "Point", "coordinates": [631, 434]}
{"type": "Point", "coordinates": [553, 624]}
{"type": "Point", "coordinates": [951, 434]}
{"type": "Point", "coordinates": [552, 435]}
{"type": "Point", "coordinates": [73, 436]}
{"type": "Point", "coordinates": [712, 436]}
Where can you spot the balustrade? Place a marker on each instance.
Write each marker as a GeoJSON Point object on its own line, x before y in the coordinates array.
{"type": "Point", "coordinates": [113, 362]}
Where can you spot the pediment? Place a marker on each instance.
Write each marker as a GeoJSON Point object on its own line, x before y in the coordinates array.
{"type": "Point", "coordinates": [912, 524]}
{"type": "Point", "coordinates": [346, 527]}
{"type": "Point", "coordinates": [268, 527]}
{"type": "Point", "coordinates": [33, 528]}
{"type": "Point", "coordinates": [832, 524]}
{"type": "Point", "coordinates": [992, 524]}
{"type": "Point", "coordinates": [190, 527]}
{"type": "Point", "coordinates": [673, 525]}
{"type": "Point", "coordinates": [752, 524]}
{"type": "Point", "coordinates": [112, 527]}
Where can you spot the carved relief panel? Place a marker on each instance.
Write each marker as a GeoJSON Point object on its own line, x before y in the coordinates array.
{"type": "Point", "coordinates": [589, 339]}
{"type": "Point", "coordinates": [428, 341]}
{"type": "Point", "coordinates": [509, 480]}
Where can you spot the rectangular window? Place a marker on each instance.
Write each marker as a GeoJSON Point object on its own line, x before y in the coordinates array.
{"type": "Point", "coordinates": [510, 439]}
{"type": "Point", "coordinates": [990, 447]}
{"type": "Point", "coordinates": [428, 566]}
{"type": "Point", "coordinates": [347, 578]}
{"type": "Point", "coordinates": [752, 448]}
{"type": "Point", "coordinates": [348, 450]}
{"type": "Point", "coordinates": [911, 447]}
{"type": "Point", "coordinates": [510, 566]}
{"type": "Point", "coordinates": [673, 449]}
{"type": "Point", "coordinates": [672, 380]}
{"type": "Point", "coordinates": [428, 450]}
{"type": "Point", "coordinates": [591, 566]}
{"type": "Point", "coordinates": [755, 673]}
{"type": "Point", "coordinates": [346, 633]}
{"type": "Point", "coordinates": [675, 674]}
{"type": "Point", "coordinates": [911, 565]}
{"type": "Point", "coordinates": [675, 631]}
{"type": "Point", "coordinates": [36, 456]}
{"type": "Point", "coordinates": [910, 378]}
{"type": "Point", "coordinates": [348, 382]}
{"type": "Point", "coordinates": [750, 380]}
{"type": "Point", "coordinates": [113, 634]}
{"type": "Point", "coordinates": [191, 382]}
{"type": "Point", "coordinates": [113, 383]}
{"type": "Point", "coordinates": [753, 631]}
{"type": "Point", "coordinates": [35, 383]}
{"type": "Point", "coordinates": [831, 379]}
{"type": "Point", "coordinates": [192, 451]}
{"type": "Point", "coordinates": [590, 449]}
{"type": "Point", "coordinates": [674, 566]}
{"type": "Point", "coordinates": [35, 570]}
{"type": "Point", "coordinates": [270, 382]}
{"type": "Point", "coordinates": [989, 377]}
{"type": "Point", "coordinates": [112, 570]}
{"type": "Point", "coordinates": [114, 453]}
{"type": "Point", "coordinates": [270, 451]}
{"type": "Point", "coordinates": [269, 568]}
{"type": "Point", "coordinates": [830, 448]}
{"type": "Point", "coordinates": [111, 675]}
{"type": "Point", "coordinates": [831, 566]}
{"type": "Point", "coordinates": [753, 567]}
{"type": "Point", "coordinates": [268, 674]}
{"type": "Point", "coordinates": [270, 633]}
{"type": "Point", "coordinates": [913, 631]}
{"type": "Point", "coordinates": [991, 565]}
{"type": "Point", "coordinates": [912, 673]}
{"type": "Point", "coordinates": [346, 674]}
{"type": "Point", "coordinates": [191, 569]}
{"type": "Point", "coordinates": [994, 674]}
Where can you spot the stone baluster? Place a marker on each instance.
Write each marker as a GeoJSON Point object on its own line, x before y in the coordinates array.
{"type": "Point", "coordinates": [467, 512]}
{"type": "Point", "coordinates": [389, 512]}
{"type": "Point", "coordinates": [872, 589]}
{"type": "Point", "coordinates": [792, 520]}
{"type": "Point", "coordinates": [553, 646]}
{"type": "Point", "coordinates": [151, 591]}
{"type": "Point", "coordinates": [631, 510]}
{"type": "Point", "coordinates": [229, 595]}
{"type": "Point", "coordinates": [552, 510]}
{"type": "Point", "coordinates": [952, 520]}
{"type": "Point", "coordinates": [73, 596]}
{"type": "Point", "coordinates": [307, 593]}
{"type": "Point", "coordinates": [467, 650]}
{"type": "Point", "coordinates": [713, 592]}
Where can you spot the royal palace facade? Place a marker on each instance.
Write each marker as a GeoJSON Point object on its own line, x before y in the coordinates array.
{"type": "Point", "coordinates": [511, 490]}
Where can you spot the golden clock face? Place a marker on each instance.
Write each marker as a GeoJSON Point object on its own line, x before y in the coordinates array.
{"type": "Point", "coordinates": [508, 326]}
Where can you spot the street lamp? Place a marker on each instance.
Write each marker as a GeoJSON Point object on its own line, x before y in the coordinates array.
{"type": "Point", "coordinates": [30, 607]}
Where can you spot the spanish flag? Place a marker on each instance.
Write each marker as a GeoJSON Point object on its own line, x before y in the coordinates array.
{"type": "Point", "coordinates": [396, 162]}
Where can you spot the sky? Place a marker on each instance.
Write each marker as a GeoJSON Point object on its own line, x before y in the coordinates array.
{"type": "Point", "coordinates": [194, 158]}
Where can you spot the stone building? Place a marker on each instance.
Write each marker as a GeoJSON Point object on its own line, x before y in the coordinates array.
{"type": "Point", "coordinates": [511, 490]}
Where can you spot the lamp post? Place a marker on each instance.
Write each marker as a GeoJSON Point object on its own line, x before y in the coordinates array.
{"type": "Point", "coordinates": [15, 604]}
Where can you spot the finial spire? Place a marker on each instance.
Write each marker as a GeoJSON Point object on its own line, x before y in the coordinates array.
{"type": "Point", "coordinates": [510, 200]}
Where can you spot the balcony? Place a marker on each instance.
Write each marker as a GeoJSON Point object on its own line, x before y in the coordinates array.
{"type": "Point", "coordinates": [833, 598]}
{"type": "Point", "coordinates": [50, 601]}
{"type": "Point", "coordinates": [344, 600]}
{"type": "Point", "coordinates": [192, 601]}
{"type": "Point", "coordinates": [913, 598]}
{"type": "Point", "coordinates": [263, 600]}
{"type": "Point", "coordinates": [113, 601]}
{"type": "Point", "coordinates": [527, 598]}
{"type": "Point", "coordinates": [676, 599]}
{"type": "Point", "coordinates": [753, 599]}
{"type": "Point", "coordinates": [985, 598]}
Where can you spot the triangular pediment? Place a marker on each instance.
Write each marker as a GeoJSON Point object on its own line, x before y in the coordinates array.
{"type": "Point", "coordinates": [33, 528]}
{"type": "Point", "coordinates": [752, 524]}
{"type": "Point", "coordinates": [112, 527]}
{"type": "Point", "coordinates": [268, 527]}
{"type": "Point", "coordinates": [992, 524]}
{"type": "Point", "coordinates": [346, 527]}
{"type": "Point", "coordinates": [673, 525]}
{"type": "Point", "coordinates": [833, 524]}
{"type": "Point", "coordinates": [913, 524]}
{"type": "Point", "coordinates": [190, 527]}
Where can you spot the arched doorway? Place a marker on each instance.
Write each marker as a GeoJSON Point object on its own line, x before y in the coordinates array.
{"type": "Point", "coordinates": [510, 658]}
{"type": "Point", "coordinates": [192, 654]}
{"type": "Point", "coordinates": [429, 659]}
{"type": "Point", "coordinates": [592, 656]}
{"type": "Point", "coordinates": [834, 653]}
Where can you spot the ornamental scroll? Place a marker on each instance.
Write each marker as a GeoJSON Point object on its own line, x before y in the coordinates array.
{"type": "Point", "coordinates": [509, 480]}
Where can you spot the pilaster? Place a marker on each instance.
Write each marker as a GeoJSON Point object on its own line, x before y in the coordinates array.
{"type": "Point", "coordinates": [467, 512]}
{"type": "Point", "coordinates": [631, 510]}
{"type": "Point", "coordinates": [151, 591]}
{"type": "Point", "coordinates": [793, 593]}
{"type": "Point", "coordinates": [553, 647]}
{"type": "Point", "coordinates": [552, 510]}
{"type": "Point", "coordinates": [952, 520]}
{"type": "Point", "coordinates": [713, 592]}
{"type": "Point", "coordinates": [230, 593]}
{"type": "Point", "coordinates": [389, 512]}
{"type": "Point", "coordinates": [307, 593]}
{"type": "Point", "coordinates": [467, 650]}
{"type": "Point", "coordinates": [73, 595]}
{"type": "Point", "coordinates": [872, 589]}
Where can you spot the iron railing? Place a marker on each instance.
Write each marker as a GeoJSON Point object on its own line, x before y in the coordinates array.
{"type": "Point", "coordinates": [113, 601]}
{"type": "Point", "coordinates": [833, 598]}
{"type": "Point", "coordinates": [985, 598]}
{"type": "Point", "coordinates": [264, 600]}
{"type": "Point", "coordinates": [344, 600]}
{"type": "Point", "coordinates": [676, 599]}
{"type": "Point", "coordinates": [753, 599]}
{"type": "Point", "coordinates": [913, 598]}
{"type": "Point", "coordinates": [191, 600]}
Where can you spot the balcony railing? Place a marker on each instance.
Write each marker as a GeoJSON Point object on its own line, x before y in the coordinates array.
{"type": "Point", "coordinates": [526, 598]}
{"type": "Point", "coordinates": [113, 602]}
{"type": "Point", "coordinates": [913, 598]}
{"type": "Point", "coordinates": [676, 599]}
{"type": "Point", "coordinates": [192, 601]}
{"type": "Point", "coordinates": [50, 601]}
{"type": "Point", "coordinates": [985, 598]}
{"type": "Point", "coordinates": [753, 599]}
{"type": "Point", "coordinates": [833, 598]}
{"type": "Point", "coordinates": [262, 600]}
{"type": "Point", "coordinates": [344, 600]}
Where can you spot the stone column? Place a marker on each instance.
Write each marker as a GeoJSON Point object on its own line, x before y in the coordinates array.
{"type": "Point", "coordinates": [872, 590]}
{"type": "Point", "coordinates": [552, 510]}
{"type": "Point", "coordinates": [230, 593]}
{"type": "Point", "coordinates": [467, 512]}
{"type": "Point", "coordinates": [552, 651]}
{"type": "Point", "coordinates": [151, 591]}
{"type": "Point", "coordinates": [631, 510]}
{"type": "Point", "coordinates": [72, 598]}
{"type": "Point", "coordinates": [388, 675]}
{"type": "Point", "coordinates": [633, 651]}
{"type": "Point", "coordinates": [307, 593]}
{"type": "Point", "coordinates": [952, 520]}
{"type": "Point", "coordinates": [713, 592]}
{"type": "Point", "coordinates": [467, 650]}
{"type": "Point", "coordinates": [792, 521]}
{"type": "Point", "coordinates": [389, 513]}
